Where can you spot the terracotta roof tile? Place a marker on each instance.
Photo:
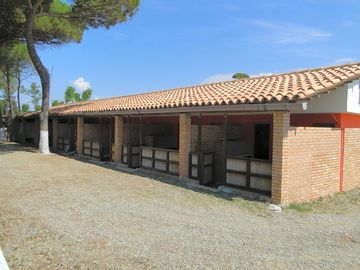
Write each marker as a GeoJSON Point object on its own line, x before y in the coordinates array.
{"type": "Point", "coordinates": [294, 86]}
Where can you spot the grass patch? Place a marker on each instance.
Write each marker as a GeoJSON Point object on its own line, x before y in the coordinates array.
{"type": "Point", "coordinates": [301, 207]}
{"type": "Point", "coordinates": [340, 203]}
{"type": "Point", "coordinates": [250, 205]}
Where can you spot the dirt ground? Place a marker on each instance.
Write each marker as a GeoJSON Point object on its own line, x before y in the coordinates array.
{"type": "Point", "coordinates": [61, 213]}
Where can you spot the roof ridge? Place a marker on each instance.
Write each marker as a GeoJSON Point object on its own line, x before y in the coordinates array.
{"type": "Point", "coordinates": [306, 70]}
{"type": "Point", "coordinates": [199, 94]}
{"type": "Point", "coordinates": [231, 81]}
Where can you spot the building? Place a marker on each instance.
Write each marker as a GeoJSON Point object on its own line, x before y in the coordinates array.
{"type": "Point", "coordinates": [293, 136]}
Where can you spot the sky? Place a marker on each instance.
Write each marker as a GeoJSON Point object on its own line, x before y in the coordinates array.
{"type": "Point", "coordinates": [173, 43]}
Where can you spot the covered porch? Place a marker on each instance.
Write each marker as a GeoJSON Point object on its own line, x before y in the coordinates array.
{"type": "Point", "coordinates": [150, 142]}
{"type": "Point", "coordinates": [94, 136]}
{"type": "Point", "coordinates": [233, 149]}
{"type": "Point", "coordinates": [63, 134]}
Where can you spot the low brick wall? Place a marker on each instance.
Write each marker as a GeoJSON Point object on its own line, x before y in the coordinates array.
{"type": "Point", "coordinates": [351, 178]}
{"type": "Point", "coordinates": [313, 163]}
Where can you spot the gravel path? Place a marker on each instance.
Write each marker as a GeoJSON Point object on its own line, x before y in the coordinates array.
{"type": "Point", "coordinates": [60, 213]}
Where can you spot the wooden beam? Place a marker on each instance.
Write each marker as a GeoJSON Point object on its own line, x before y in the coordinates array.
{"type": "Point", "coordinates": [268, 107]}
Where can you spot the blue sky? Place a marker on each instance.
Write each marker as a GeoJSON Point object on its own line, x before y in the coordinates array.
{"type": "Point", "coordinates": [172, 43]}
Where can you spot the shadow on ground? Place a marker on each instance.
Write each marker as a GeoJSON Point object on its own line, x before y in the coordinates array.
{"type": "Point", "coordinates": [173, 180]}
{"type": "Point", "coordinates": [9, 147]}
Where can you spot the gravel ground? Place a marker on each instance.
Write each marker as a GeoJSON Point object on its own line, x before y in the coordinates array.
{"type": "Point", "coordinates": [60, 213]}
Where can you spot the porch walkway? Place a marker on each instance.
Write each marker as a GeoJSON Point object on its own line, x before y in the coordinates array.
{"type": "Point", "coordinates": [60, 213]}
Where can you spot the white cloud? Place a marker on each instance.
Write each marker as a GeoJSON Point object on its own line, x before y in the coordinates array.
{"type": "Point", "coordinates": [261, 74]}
{"type": "Point", "coordinates": [344, 60]}
{"type": "Point", "coordinates": [218, 78]}
{"type": "Point", "coordinates": [81, 84]}
{"type": "Point", "coordinates": [284, 33]}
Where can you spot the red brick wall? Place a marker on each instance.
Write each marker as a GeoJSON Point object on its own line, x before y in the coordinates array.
{"type": "Point", "coordinates": [184, 144]}
{"type": "Point", "coordinates": [313, 163]}
{"type": "Point", "coordinates": [280, 154]}
{"type": "Point", "coordinates": [351, 178]}
{"type": "Point", "coordinates": [118, 138]}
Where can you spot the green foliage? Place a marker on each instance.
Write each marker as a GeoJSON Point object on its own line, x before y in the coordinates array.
{"type": "Point", "coordinates": [72, 96]}
{"type": "Point", "coordinates": [55, 22]}
{"type": "Point", "coordinates": [77, 97]}
{"type": "Point", "coordinates": [57, 102]}
{"type": "Point", "coordinates": [20, 56]}
{"type": "Point", "coordinates": [35, 94]}
{"type": "Point", "coordinates": [105, 13]}
{"type": "Point", "coordinates": [38, 108]}
{"type": "Point", "coordinates": [25, 107]}
{"type": "Point", "coordinates": [11, 20]}
{"type": "Point", "coordinates": [86, 95]}
{"type": "Point", "coordinates": [2, 106]}
{"type": "Point", "coordinates": [58, 29]}
{"type": "Point", "coordinates": [15, 65]}
{"type": "Point", "coordinates": [240, 76]}
{"type": "Point", "coordinates": [58, 21]}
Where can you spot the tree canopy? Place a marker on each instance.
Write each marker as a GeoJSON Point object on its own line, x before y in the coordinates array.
{"type": "Point", "coordinates": [56, 22]}
{"type": "Point", "coordinates": [240, 76]}
{"type": "Point", "coordinates": [71, 95]}
{"type": "Point", "coordinates": [56, 102]}
{"type": "Point", "coordinates": [86, 94]}
{"type": "Point", "coordinates": [25, 107]}
{"type": "Point", "coordinates": [35, 94]}
{"type": "Point", "coordinates": [14, 60]}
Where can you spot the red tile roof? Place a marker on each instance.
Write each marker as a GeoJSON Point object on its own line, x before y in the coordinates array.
{"type": "Point", "coordinates": [294, 86]}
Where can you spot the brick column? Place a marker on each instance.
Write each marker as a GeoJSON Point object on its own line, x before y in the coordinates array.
{"type": "Point", "coordinates": [184, 143]}
{"type": "Point", "coordinates": [79, 135]}
{"type": "Point", "coordinates": [118, 138]}
{"type": "Point", "coordinates": [55, 128]}
{"type": "Point", "coordinates": [280, 176]}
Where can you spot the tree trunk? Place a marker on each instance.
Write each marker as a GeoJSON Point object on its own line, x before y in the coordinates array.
{"type": "Point", "coordinates": [18, 91]}
{"type": "Point", "coordinates": [11, 111]}
{"type": "Point", "coordinates": [44, 77]}
{"type": "Point", "coordinates": [8, 91]}
{"type": "Point", "coordinates": [1, 119]}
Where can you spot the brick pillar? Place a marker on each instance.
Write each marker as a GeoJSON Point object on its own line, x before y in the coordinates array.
{"type": "Point", "coordinates": [184, 143]}
{"type": "Point", "coordinates": [280, 176]}
{"type": "Point", "coordinates": [79, 135]}
{"type": "Point", "coordinates": [118, 138]}
{"type": "Point", "coordinates": [55, 128]}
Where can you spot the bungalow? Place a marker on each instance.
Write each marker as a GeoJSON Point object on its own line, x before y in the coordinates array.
{"type": "Point", "coordinates": [293, 136]}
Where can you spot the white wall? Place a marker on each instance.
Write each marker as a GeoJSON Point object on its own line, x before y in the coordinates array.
{"type": "Point", "coordinates": [344, 99]}
{"type": "Point", "coordinates": [353, 104]}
